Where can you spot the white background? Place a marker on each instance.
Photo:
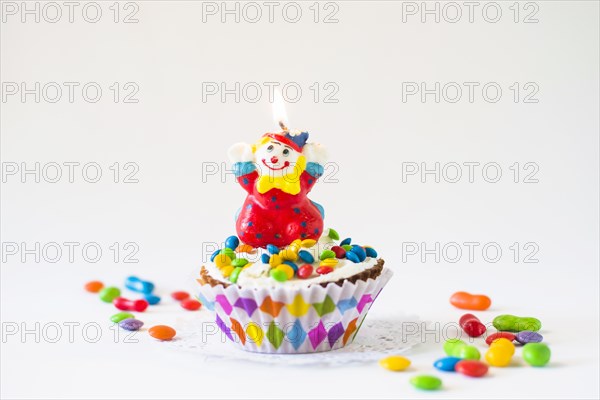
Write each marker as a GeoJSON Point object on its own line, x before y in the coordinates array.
{"type": "Point", "coordinates": [171, 134]}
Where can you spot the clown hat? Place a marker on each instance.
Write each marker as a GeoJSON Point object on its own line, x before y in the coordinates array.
{"type": "Point", "coordinates": [296, 141]}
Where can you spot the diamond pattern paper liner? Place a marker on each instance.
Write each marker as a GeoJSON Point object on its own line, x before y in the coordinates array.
{"type": "Point", "coordinates": [283, 320]}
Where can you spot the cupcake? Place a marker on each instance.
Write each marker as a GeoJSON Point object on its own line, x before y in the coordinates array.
{"type": "Point", "coordinates": [284, 284]}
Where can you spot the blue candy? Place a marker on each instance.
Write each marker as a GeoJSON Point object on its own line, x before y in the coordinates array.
{"type": "Point", "coordinates": [137, 285]}
{"type": "Point", "coordinates": [345, 241]}
{"type": "Point", "coordinates": [359, 251]}
{"type": "Point", "coordinates": [232, 242]}
{"type": "Point", "coordinates": [446, 363]}
{"type": "Point", "coordinates": [306, 256]}
{"type": "Point", "coordinates": [265, 258]}
{"type": "Point", "coordinates": [352, 257]}
{"type": "Point", "coordinates": [291, 264]}
{"type": "Point", "coordinates": [370, 252]}
{"type": "Point", "coordinates": [216, 253]}
{"type": "Point", "coordinates": [272, 249]}
{"type": "Point", "coordinates": [152, 299]}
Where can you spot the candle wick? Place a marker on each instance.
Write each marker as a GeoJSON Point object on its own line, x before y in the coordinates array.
{"type": "Point", "coordinates": [283, 127]}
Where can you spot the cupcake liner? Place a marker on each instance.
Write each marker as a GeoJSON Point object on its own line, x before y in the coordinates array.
{"type": "Point", "coordinates": [292, 321]}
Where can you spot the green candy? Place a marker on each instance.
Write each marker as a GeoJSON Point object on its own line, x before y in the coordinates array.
{"type": "Point", "coordinates": [239, 262]}
{"type": "Point", "coordinates": [347, 247]}
{"type": "Point", "coordinates": [458, 348]}
{"type": "Point", "coordinates": [235, 274]}
{"type": "Point", "coordinates": [108, 294]}
{"type": "Point", "coordinates": [333, 234]}
{"type": "Point", "coordinates": [426, 382]}
{"type": "Point", "coordinates": [536, 354]}
{"type": "Point", "coordinates": [327, 254]}
{"type": "Point", "coordinates": [278, 275]}
{"type": "Point", "coordinates": [512, 323]}
{"type": "Point", "coordinates": [118, 317]}
{"type": "Point", "coordinates": [228, 252]}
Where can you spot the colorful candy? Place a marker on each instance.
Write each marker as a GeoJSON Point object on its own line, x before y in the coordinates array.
{"type": "Point", "coordinates": [446, 363]}
{"type": "Point", "coordinates": [494, 336]}
{"type": "Point", "coordinates": [513, 323]}
{"type": "Point", "coordinates": [162, 332]}
{"type": "Point", "coordinates": [152, 299]}
{"type": "Point", "coordinates": [324, 270]}
{"type": "Point", "coordinates": [370, 252]}
{"type": "Point", "coordinates": [472, 325]}
{"type": "Point", "coordinates": [131, 324]}
{"type": "Point", "coordinates": [305, 271]}
{"type": "Point", "coordinates": [327, 254]}
{"type": "Point", "coordinates": [536, 354]}
{"type": "Point", "coordinates": [346, 241]}
{"type": "Point", "coordinates": [525, 337]}
{"type": "Point", "coordinates": [333, 234]}
{"type": "Point", "coordinates": [239, 262]}
{"type": "Point", "coordinates": [272, 249]}
{"type": "Point", "coordinates": [227, 270]}
{"type": "Point", "coordinates": [395, 363]}
{"type": "Point", "coordinates": [108, 294]}
{"type": "Point", "coordinates": [500, 353]}
{"type": "Point", "coordinates": [229, 253]}
{"type": "Point", "coordinates": [426, 382]}
{"type": "Point", "coordinates": [288, 254]}
{"type": "Point", "coordinates": [472, 368]}
{"type": "Point", "coordinates": [130, 305]}
{"type": "Point", "coordinates": [346, 247]}
{"type": "Point", "coordinates": [180, 295]}
{"type": "Point", "coordinates": [352, 257]}
{"type": "Point", "coordinates": [278, 274]}
{"type": "Point", "coordinates": [212, 257]}
{"type": "Point", "coordinates": [307, 243]}
{"type": "Point", "coordinates": [244, 248]}
{"type": "Point", "coordinates": [191, 304]}
{"type": "Point", "coordinates": [275, 260]}
{"type": "Point", "coordinates": [232, 242]}
{"type": "Point", "coordinates": [339, 252]}
{"type": "Point", "coordinates": [360, 252]}
{"type": "Point", "coordinates": [265, 258]}
{"type": "Point", "coordinates": [235, 274]}
{"type": "Point", "coordinates": [467, 301]}
{"type": "Point", "coordinates": [328, 262]}
{"type": "Point", "coordinates": [458, 348]}
{"type": "Point", "coordinates": [222, 260]}
{"type": "Point", "coordinates": [306, 256]}
{"type": "Point", "coordinates": [289, 271]}
{"type": "Point", "coordinates": [94, 286]}
{"type": "Point", "coordinates": [137, 285]}
{"type": "Point", "coordinates": [118, 317]}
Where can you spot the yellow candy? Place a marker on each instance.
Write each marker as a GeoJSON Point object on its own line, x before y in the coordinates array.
{"type": "Point", "coordinates": [247, 265]}
{"type": "Point", "coordinates": [275, 260]}
{"type": "Point", "coordinates": [329, 262]}
{"type": "Point", "coordinates": [308, 243]}
{"type": "Point", "coordinates": [289, 271]}
{"type": "Point", "coordinates": [506, 345]}
{"type": "Point", "coordinates": [395, 363]}
{"type": "Point", "coordinates": [221, 260]}
{"type": "Point", "coordinates": [296, 243]}
{"type": "Point", "coordinates": [288, 254]}
{"type": "Point", "coordinates": [227, 270]}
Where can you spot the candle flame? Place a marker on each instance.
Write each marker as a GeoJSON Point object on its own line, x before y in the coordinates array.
{"type": "Point", "coordinates": [279, 114]}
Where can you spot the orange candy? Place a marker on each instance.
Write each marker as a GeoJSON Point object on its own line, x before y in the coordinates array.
{"type": "Point", "coordinates": [245, 248]}
{"type": "Point", "coordinates": [467, 301]}
{"type": "Point", "coordinates": [162, 332]}
{"type": "Point", "coordinates": [94, 286]}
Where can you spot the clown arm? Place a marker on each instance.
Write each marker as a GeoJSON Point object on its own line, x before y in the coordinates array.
{"type": "Point", "coordinates": [315, 159]}
{"type": "Point", "coordinates": [244, 167]}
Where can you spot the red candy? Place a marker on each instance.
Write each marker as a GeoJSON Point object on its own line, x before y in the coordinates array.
{"type": "Point", "coordinates": [498, 335]}
{"type": "Point", "coordinates": [191, 304]}
{"type": "Point", "coordinates": [305, 271]}
{"type": "Point", "coordinates": [130, 305]}
{"type": "Point", "coordinates": [472, 325]}
{"type": "Point", "coordinates": [472, 368]}
{"type": "Point", "coordinates": [179, 296]}
{"type": "Point", "coordinates": [324, 270]}
{"type": "Point", "coordinates": [339, 252]}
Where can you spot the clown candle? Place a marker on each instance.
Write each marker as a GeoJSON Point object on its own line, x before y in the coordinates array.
{"type": "Point", "coordinates": [278, 172]}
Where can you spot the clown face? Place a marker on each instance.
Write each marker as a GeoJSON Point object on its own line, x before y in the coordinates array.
{"type": "Point", "coordinates": [277, 159]}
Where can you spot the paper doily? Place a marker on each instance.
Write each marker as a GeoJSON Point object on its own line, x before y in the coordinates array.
{"type": "Point", "coordinates": [376, 339]}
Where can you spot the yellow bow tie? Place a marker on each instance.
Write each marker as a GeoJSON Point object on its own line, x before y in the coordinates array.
{"type": "Point", "coordinates": [287, 184]}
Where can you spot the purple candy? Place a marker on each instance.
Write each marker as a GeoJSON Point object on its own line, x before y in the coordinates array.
{"type": "Point", "coordinates": [525, 337]}
{"type": "Point", "coordinates": [131, 324]}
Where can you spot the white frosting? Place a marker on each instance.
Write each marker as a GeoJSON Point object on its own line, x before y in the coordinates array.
{"type": "Point", "coordinates": [257, 275]}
